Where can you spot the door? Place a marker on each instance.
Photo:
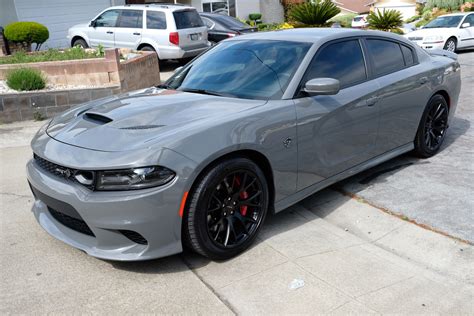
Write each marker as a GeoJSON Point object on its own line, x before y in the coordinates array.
{"type": "Point", "coordinates": [339, 131]}
{"type": "Point", "coordinates": [404, 91]}
{"type": "Point", "coordinates": [466, 38]}
{"type": "Point", "coordinates": [128, 32]}
{"type": "Point", "coordinates": [103, 28]}
{"type": "Point", "coordinates": [191, 29]}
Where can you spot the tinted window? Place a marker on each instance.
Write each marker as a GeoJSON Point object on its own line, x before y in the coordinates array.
{"type": "Point", "coordinates": [107, 19]}
{"type": "Point", "coordinates": [156, 20]}
{"type": "Point", "coordinates": [470, 19]}
{"type": "Point", "coordinates": [231, 23]}
{"type": "Point", "coordinates": [342, 61]}
{"type": "Point", "coordinates": [248, 69]}
{"type": "Point", "coordinates": [187, 19]}
{"type": "Point", "coordinates": [444, 21]}
{"type": "Point", "coordinates": [131, 18]}
{"type": "Point", "coordinates": [408, 55]}
{"type": "Point", "coordinates": [207, 22]}
{"type": "Point", "coordinates": [387, 56]}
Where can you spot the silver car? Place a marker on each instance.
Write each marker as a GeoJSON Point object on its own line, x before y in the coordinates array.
{"type": "Point", "coordinates": [249, 128]}
{"type": "Point", "coordinates": [173, 31]}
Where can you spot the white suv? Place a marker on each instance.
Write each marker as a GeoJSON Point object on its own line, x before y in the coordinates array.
{"type": "Point", "coordinates": [173, 31]}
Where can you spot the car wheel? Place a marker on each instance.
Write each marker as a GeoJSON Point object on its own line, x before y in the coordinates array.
{"type": "Point", "coordinates": [150, 49]}
{"type": "Point", "coordinates": [432, 128]}
{"type": "Point", "coordinates": [450, 45]}
{"type": "Point", "coordinates": [226, 209]}
{"type": "Point", "coordinates": [80, 42]}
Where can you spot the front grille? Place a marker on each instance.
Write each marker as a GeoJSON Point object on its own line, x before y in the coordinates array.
{"type": "Point", "coordinates": [61, 171]}
{"type": "Point", "coordinates": [415, 38]}
{"type": "Point", "coordinates": [135, 237]}
{"type": "Point", "coordinates": [73, 223]}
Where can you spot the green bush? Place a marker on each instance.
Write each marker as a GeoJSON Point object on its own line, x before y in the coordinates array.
{"type": "Point", "coordinates": [255, 16]}
{"type": "Point", "coordinates": [450, 5]}
{"type": "Point", "coordinates": [27, 33]}
{"type": "Point", "coordinates": [315, 13]}
{"type": "Point", "coordinates": [413, 19]}
{"type": "Point", "coordinates": [345, 20]}
{"type": "Point", "coordinates": [26, 79]}
{"type": "Point", "coordinates": [386, 20]}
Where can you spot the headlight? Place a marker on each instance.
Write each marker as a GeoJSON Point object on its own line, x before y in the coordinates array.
{"type": "Point", "coordinates": [132, 179]}
{"type": "Point", "coordinates": [433, 39]}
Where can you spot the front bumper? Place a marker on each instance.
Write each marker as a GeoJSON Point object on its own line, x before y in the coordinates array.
{"type": "Point", "coordinates": [437, 45]}
{"type": "Point", "coordinates": [123, 225]}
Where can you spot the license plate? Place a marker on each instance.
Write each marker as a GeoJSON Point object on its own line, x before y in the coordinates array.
{"type": "Point", "coordinates": [194, 37]}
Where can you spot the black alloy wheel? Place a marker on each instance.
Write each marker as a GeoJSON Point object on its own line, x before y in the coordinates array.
{"type": "Point", "coordinates": [227, 209]}
{"type": "Point", "coordinates": [433, 126]}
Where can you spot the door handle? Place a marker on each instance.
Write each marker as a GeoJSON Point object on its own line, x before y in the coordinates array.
{"type": "Point", "coordinates": [371, 101]}
{"type": "Point", "coordinates": [423, 80]}
{"type": "Point", "coordinates": [110, 32]}
{"type": "Point", "coordinates": [136, 33]}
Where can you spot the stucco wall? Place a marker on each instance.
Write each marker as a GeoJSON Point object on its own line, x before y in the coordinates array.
{"type": "Point", "coordinates": [406, 7]}
{"type": "Point", "coordinates": [244, 7]}
{"type": "Point", "coordinates": [7, 12]}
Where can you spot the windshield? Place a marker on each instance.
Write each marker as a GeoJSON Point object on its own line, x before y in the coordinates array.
{"type": "Point", "coordinates": [444, 21]}
{"type": "Point", "coordinates": [247, 69]}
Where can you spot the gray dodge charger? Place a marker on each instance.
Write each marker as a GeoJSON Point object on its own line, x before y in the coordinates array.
{"type": "Point", "coordinates": [248, 128]}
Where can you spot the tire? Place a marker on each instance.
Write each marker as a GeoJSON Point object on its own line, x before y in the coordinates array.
{"type": "Point", "coordinates": [432, 129]}
{"type": "Point", "coordinates": [147, 48]}
{"type": "Point", "coordinates": [451, 45]}
{"type": "Point", "coordinates": [226, 209]}
{"type": "Point", "coordinates": [80, 42]}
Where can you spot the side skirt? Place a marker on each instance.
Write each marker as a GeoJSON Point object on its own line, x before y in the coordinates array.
{"type": "Point", "coordinates": [300, 195]}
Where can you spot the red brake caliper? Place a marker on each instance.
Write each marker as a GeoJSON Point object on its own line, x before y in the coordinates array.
{"type": "Point", "coordinates": [243, 195]}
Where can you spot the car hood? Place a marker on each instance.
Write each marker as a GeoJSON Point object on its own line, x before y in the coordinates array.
{"type": "Point", "coordinates": [81, 26]}
{"type": "Point", "coordinates": [430, 32]}
{"type": "Point", "coordinates": [142, 119]}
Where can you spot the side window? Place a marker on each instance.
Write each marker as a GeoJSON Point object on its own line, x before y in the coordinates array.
{"type": "Point", "coordinates": [131, 19]}
{"type": "Point", "coordinates": [156, 20]}
{"type": "Point", "coordinates": [107, 19]}
{"type": "Point", "coordinates": [343, 61]}
{"type": "Point", "coordinates": [386, 55]}
{"type": "Point", "coordinates": [208, 23]}
{"type": "Point", "coordinates": [469, 19]}
{"type": "Point", "coordinates": [408, 55]}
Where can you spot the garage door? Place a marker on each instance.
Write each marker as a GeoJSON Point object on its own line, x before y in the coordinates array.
{"type": "Point", "coordinates": [59, 16]}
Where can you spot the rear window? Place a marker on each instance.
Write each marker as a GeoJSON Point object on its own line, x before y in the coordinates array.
{"type": "Point", "coordinates": [187, 19]}
{"type": "Point", "coordinates": [155, 20]}
{"type": "Point", "coordinates": [231, 23]}
{"type": "Point", "coordinates": [386, 55]}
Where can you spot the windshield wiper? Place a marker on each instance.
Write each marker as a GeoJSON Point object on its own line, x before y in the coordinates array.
{"type": "Point", "coordinates": [208, 92]}
{"type": "Point", "coordinates": [163, 86]}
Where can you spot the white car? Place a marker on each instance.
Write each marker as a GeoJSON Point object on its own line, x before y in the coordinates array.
{"type": "Point", "coordinates": [450, 32]}
{"type": "Point", "coordinates": [360, 21]}
{"type": "Point", "coordinates": [173, 31]}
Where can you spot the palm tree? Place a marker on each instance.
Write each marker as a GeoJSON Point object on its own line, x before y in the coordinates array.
{"type": "Point", "coordinates": [315, 13]}
{"type": "Point", "coordinates": [386, 20]}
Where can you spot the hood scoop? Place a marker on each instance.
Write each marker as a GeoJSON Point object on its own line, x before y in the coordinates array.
{"type": "Point", "coordinates": [97, 118]}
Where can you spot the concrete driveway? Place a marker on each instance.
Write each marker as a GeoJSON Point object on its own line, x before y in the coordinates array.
{"type": "Point", "coordinates": [331, 253]}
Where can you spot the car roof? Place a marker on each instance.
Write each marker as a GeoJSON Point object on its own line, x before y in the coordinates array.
{"type": "Point", "coordinates": [314, 35]}
{"type": "Point", "coordinates": [154, 6]}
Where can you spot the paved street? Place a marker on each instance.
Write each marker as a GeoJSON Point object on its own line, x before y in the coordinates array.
{"type": "Point", "coordinates": [331, 253]}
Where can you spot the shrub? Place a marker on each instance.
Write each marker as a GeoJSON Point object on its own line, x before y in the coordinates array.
{"type": "Point", "coordinates": [315, 13]}
{"type": "Point", "coordinates": [26, 33]}
{"type": "Point", "coordinates": [345, 20]}
{"type": "Point", "coordinates": [255, 16]}
{"type": "Point", "coordinates": [413, 19]}
{"type": "Point", "coordinates": [26, 79]}
{"type": "Point", "coordinates": [385, 20]}
{"type": "Point", "coordinates": [449, 5]}
{"type": "Point", "coordinates": [51, 54]}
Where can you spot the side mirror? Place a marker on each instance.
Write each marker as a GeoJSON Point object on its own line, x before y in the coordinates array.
{"type": "Point", "coordinates": [322, 86]}
{"type": "Point", "coordinates": [464, 25]}
{"type": "Point", "coordinates": [93, 23]}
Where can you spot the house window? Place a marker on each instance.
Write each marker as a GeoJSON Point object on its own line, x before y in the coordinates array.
{"type": "Point", "coordinates": [216, 6]}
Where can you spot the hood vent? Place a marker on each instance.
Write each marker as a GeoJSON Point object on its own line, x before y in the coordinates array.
{"type": "Point", "coordinates": [138, 127]}
{"type": "Point", "coordinates": [97, 118]}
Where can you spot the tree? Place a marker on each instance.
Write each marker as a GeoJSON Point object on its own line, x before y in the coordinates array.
{"type": "Point", "coordinates": [315, 13]}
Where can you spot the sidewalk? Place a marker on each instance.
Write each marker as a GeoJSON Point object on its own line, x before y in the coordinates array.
{"type": "Point", "coordinates": [349, 257]}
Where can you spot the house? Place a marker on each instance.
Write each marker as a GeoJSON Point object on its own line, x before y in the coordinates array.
{"type": "Point", "coordinates": [406, 7]}
{"type": "Point", "coordinates": [352, 6]}
{"type": "Point", "coordinates": [57, 16]}
{"type": "Point", "coordinates": [272, 10]}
